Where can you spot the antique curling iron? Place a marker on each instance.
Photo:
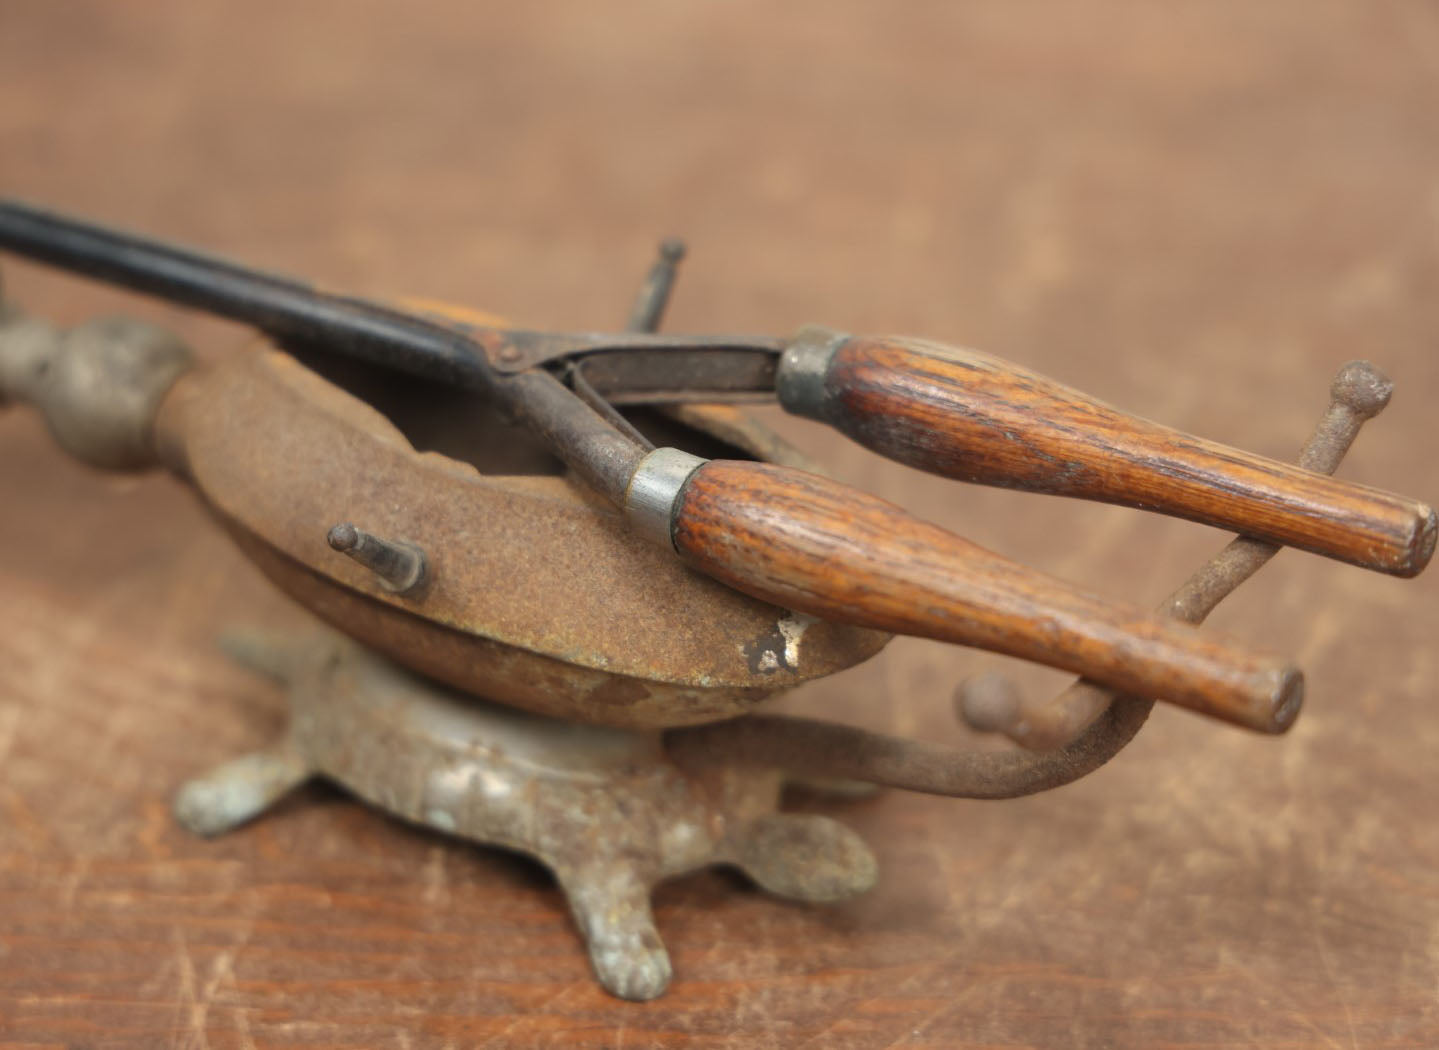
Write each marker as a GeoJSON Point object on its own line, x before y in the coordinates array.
{"type": "Point", "coordinates": [791, 538]}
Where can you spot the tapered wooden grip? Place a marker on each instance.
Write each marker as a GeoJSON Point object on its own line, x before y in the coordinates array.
{"type": "Point", "coordinates": [975, 417]}
{"type": "Point", "coordinates": [812, 545]}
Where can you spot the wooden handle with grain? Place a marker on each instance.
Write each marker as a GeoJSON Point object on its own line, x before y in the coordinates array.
{"type": "Point", "coordinates": [809, 544]}
{"type": "Point", "coordinates": [975, 417]}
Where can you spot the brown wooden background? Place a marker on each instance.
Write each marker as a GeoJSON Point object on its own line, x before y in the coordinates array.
{"type": "Point", "coordinates": [1196, 211]}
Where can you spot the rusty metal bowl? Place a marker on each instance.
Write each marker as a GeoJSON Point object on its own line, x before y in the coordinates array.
{"type": "Point", "coordinates": [537, 593]}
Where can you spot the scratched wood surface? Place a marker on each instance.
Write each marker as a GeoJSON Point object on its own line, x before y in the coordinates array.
{"type": "Point", "coordinates": [1194, 212]}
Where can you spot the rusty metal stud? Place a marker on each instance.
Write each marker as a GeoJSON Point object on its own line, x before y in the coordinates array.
{"type": "Point", "coordinates": [654, 295]}
{"type": "Point", "coordinates": [401, 567]}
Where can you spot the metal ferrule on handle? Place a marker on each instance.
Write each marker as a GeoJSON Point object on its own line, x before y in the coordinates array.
{"type": "Point", "coordinates": [654, 492]}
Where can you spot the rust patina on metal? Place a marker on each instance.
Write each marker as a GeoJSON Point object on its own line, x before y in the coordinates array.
{"type": "Point", "coordinates": [525, 553]}
{"type": "Point", "coordinates": [606, 628]}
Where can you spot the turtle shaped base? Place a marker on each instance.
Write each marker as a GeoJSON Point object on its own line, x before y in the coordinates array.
{"type": "Point", "coordinates": [607, 810]}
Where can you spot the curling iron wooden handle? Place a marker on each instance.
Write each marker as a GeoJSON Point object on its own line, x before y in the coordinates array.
{"type": "Point", "coordinates": [809, 544]}
{"type": "Point", "coordinates": [975, 417]}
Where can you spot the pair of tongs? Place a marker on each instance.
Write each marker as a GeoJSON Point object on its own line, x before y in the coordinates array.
{"type": "Point", "coordinates": [808, 543]}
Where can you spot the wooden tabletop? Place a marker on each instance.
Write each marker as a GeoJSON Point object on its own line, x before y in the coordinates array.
{"type": "Point", "coordinates": [1197, 212]}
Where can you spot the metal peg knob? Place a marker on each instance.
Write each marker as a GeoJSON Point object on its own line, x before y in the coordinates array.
{"type": "Point", "coordinates": [401, 567]}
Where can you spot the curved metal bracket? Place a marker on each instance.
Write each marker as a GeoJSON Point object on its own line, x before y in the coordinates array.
{"type": "Point", "coordinates": [824, 749]}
